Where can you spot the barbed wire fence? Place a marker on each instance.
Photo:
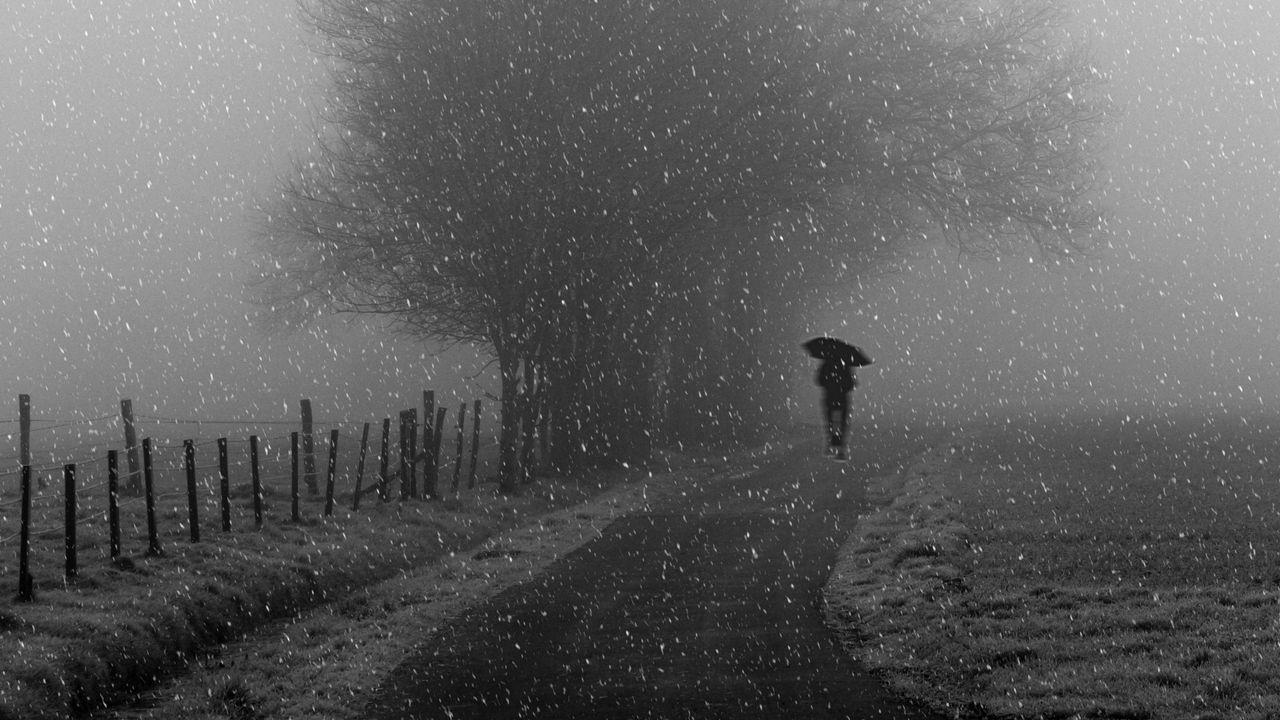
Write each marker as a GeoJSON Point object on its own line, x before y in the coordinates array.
{"type": "Point", "coordinates": [116, 478]}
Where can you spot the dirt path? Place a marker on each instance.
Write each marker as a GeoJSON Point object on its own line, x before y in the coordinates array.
{"type": "Point", "coordinates": [706, 605]}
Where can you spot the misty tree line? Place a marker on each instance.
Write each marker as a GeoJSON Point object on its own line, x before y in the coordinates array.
{"type": "Point", "coordinates": [634, 203]}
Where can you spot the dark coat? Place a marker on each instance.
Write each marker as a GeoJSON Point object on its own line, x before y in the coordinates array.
{"type": "Point", "coordinates": [836, 376]}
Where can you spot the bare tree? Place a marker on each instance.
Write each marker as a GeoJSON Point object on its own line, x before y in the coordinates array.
{"type": "Point", "coordinates": [581, 186]}
{"type": "Point", "coordinates": [979, 124]}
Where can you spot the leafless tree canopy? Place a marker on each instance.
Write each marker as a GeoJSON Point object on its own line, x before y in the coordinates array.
{"type": "Point", "coordinates": [586, 187]}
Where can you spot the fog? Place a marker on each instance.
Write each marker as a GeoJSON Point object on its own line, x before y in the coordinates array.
{"type": "Point", "coordinates": [1178, 311]}
{"type": "Point", "coordinates": [138, 136]}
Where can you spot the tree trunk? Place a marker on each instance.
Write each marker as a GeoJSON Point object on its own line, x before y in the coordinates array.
{"type": "Point", "coordinates": [529, 420]}
{"type": "Point", "coordinates": [508, 458]}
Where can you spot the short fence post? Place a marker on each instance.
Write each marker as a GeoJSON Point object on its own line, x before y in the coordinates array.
{"type": "Point", "coordinates": [257, 481]}
{"type": "Point", "coordinates": [113, 503]}
{"type": "Point", "coordinates": [294, 493]}
{"type": "Point", "coordinates": [309, 449]}
{"type": "Point", "coordinates": [364, 448]}
{"type": "Point", "coordinates": [26, 584]}
{"type": "Point", "coordinates": [193, 512]}
{"type": "Point", "coordinates": [430, 469]}
{"type": "Point", "coordinates": [149, 489]}
{"type": "Point", "coordinates": [224, 484]}
{"type": "Point", "coordinates": [69, 494]}
{"type": "Point", "coordinates": [130, 445]}
{"type": "Point", "coordinates": [457, 463]}
{"type": "Point", "coordinates": [333, 469]}
{"type": "Point", "coordinates": [475, 443]}
{"type": "Point", "coordinates": [382, 468]}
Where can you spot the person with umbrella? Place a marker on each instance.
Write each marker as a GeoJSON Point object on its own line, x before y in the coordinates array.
{"type": "Point", "coordinates": [836, 378]}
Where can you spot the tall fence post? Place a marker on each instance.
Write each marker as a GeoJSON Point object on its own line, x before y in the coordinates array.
{"type": "Point", "coordinates": [405, 460]}
{"type": "Point", "coordinates": [437, 442]}
{"type": "Point", "coordinates": [382, 460]}
{"type": "Point", "coordinates": [332, 470]}
{"type": "Point", "coordinates": [257, 481]}
{"type": "Point", "coordinates": [413, 453]}
{"type": "Point", "coordinates": [26, 584]}
{"type": "Point", "coordinates": [475, 443]}
{"type": "Point", "coordinates": [364, 448]}
{"type": "Point", "coordinates": [309, 449]}
{"type": "Point", "coordinates": [430, 467]}
{"type": "Point", "coordinates": [295, 511]}
{"type": "Point", "coordinates": [193, 500]}
{"type": "Point", "coordinates": [224, 484]}
{"type": "Point", "coordinates": [149, 489]}
{"type": "Point", "coordinates": [113, 504]}
{"type": "Point", "coordinates": [457, 463]}
{"type": "Point", "coordinates": [69, 538]}
{"type": "Point", "coordinates": [24, 429]}
{"type": "Point", "coordinates": [131, 446]}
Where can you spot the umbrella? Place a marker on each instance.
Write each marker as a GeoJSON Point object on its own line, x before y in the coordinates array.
{"type": "Point", "coordinates": [829, 348]}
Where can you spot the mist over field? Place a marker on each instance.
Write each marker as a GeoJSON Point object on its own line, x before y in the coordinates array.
{"type": "Point", "coordinates": [138, 138]}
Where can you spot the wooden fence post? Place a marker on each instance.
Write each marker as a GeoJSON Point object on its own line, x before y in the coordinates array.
{"type": "Point", "coordinates": [24, 429]}
{"type": "Point", "coordinates": [441, 413]}
{"type": "Point", "coordinates": [364, 448]}
{"type": "Point", "coordinates": [457, 463]}
{"type": "Point", "coordinates": [294, 493]}
{"type": "Point", "coordinates": [257, 481]}
{"type": "Point", "coordinates": [475, 443]}
{"type": "Point", "coordinates": [382, 468]}
{"type": "Point", "coordinates": [131, 446]}
{"type": "Point", "coordinates": [309, 449]}
{"type": "Point", "coordinates": [224, 485]}
{"type": "Point", "coordinates": [193, 500]}
{"type": "Point", "coordinates": [69, 496]}
{"type": "Point", "coordinates": [430, 467]}
{"type": "Point", "coordinates": [113, 504]}
{"type": "Point", "coordinates": [149, 489]}
{"type": "Point", "coordinates": [333, 469]}
{"type": "Point", "coordinates": [405, 460]}
{"type": "Point", "coordinates": [413, 453]}
{"type": "Point", "coordinates": [26, 583]}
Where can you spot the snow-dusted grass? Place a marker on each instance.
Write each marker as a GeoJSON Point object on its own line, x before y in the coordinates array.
{"type": "Point", "coordinates": [118, 630]}
{"type": "Point", "coordinates": [1101, 568]}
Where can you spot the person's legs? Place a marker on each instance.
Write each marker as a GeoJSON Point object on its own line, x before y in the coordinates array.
{"type": "Point", "coordinates": [843, 412]}
{"type": "Point", "coordinates": [833, 404]}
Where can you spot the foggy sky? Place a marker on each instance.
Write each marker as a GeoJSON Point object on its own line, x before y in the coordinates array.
{"type": "Point", "coordinates": [138, 135]}
{"type": "Point", "coordinates": [137, 138]}
{"type": "Point", "coordinates": [1181, 310]}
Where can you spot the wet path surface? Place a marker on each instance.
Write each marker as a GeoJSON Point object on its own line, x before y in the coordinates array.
{"type": "Point", "coordinates": [705, 607]}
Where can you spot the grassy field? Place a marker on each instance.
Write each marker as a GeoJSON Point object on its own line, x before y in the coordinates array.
{"type": "Point", "coordinates": [1118, 567]}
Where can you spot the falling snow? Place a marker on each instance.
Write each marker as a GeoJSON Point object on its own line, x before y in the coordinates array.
{"type": "Point", "coordinates": [145, 146]}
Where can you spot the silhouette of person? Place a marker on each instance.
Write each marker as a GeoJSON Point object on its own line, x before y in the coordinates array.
{"type": "Point", "coordinates": [836, 379]}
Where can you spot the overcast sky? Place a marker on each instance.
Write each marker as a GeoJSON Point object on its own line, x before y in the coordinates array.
{"type": "Point", "coordinates": [136, 136]}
